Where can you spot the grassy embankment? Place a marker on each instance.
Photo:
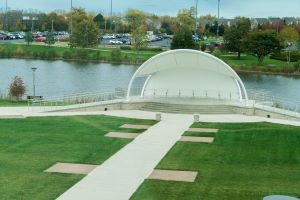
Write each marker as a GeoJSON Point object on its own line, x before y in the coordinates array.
{"type": "Point", "coordinates": [42, 52]}
{"type": "Point", "coordinates": [247, 63]}
{"type": "Point", "coordinates": [246, 161]}
{"type": "Point", "coordinates": [10, 103]}
{"type": "Point", "coordinates": [30, 146]}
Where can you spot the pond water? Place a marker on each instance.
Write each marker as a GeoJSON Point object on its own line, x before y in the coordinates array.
{"type": "Point", "coordinates": [58, 78]}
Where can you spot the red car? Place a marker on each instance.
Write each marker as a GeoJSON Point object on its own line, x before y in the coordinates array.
{"type": "Point", "coordinates": [40, 39]}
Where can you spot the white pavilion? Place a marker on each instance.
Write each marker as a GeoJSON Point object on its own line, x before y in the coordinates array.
{"type": "Point", "coordinates": [186, 74]}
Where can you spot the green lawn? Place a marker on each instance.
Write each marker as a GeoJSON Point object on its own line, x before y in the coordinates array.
{"type": "Point", "coordinates": [29, 146]}
{"type": "Point", "coordinates": [77, 54]}
{"type": "Point", "coordinates": [10, 103]}
{"type": "Point", "coordinates": [246, 162]}
{"type": "Point", "coordinates": [248, 62]}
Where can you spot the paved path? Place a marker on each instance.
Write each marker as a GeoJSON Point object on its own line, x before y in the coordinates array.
{"type": "Point", "coordinates": [121, 175]}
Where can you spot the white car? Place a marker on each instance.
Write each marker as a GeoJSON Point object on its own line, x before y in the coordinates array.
{"type": "Point", "coordinates": [115, 42]}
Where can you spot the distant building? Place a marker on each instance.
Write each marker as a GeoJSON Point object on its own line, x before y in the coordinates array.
{"type": "Point", "coordinates": [290, 21]}
{"type": "Point", "coordinates": [227, 22]}
{"type": "Point", "coordinates": [261, 21]}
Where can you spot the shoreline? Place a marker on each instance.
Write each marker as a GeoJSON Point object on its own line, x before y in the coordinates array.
{"type": "Point", "coordinates": [137, 64]}
{"type": "Point", "coordinates": [268, 73]}
{"type": "Point", "coordinates": [76, 60]}
{"type": "Point", "coordinates": [120, 57]}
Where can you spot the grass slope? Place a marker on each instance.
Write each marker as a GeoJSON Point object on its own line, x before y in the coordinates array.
{"type": "Point", "coordinates": [10, 103]}
{"type": "Point", "coordinates": [29, 146]}
{"type": "Point", "coordinates": [246, 161]}
{"type": "Point", "coordinates": [250, 63]}
{"type": "Point", "coordinates": [76, 54]}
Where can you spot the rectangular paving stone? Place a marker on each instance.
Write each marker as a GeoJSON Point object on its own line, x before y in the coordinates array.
{"type": "Point", "coordinates": [71, 168]}
{"type": "Point", "coordinates": [197, 139]}
{"type": "Point", "coordinates": [173, 175]}
{"type": "Point", "coordinates": [134, 126]}
{"type": "Point", "coordinates": [122, 135]}
{"type": "Point", "coordinates": [203, 130]}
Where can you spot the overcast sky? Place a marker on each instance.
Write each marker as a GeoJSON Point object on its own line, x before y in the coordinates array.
{"type": "Point", "coordinates": [229, 8]}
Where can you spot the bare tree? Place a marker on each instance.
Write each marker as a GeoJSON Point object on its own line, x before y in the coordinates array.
{"type": "Point", "coordinates": [17, 88]}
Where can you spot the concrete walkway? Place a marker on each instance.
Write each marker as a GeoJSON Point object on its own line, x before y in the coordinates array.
{"type": "Point", "coordinates": [121, 175]}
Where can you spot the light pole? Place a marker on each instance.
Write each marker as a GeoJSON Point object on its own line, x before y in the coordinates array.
{"type": "Point", "coordinates": [52, 28]}
{"type": "Point", "coordinates": [218, 28]}
{"type": "Point", "coordinates": [71, 25]}
{"type": "Point", "coordinates": [33, 80]}
{"type": "Point", "coordinates": [196, 16]}
{"type": "Point", "coordinates": [5, 21]}
{"type": "Point", "coordinates": [111, 10]}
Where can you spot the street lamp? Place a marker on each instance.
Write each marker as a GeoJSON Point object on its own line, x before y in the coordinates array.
{"type": "Point", "coordinates": [196, 16]}
{"type": "Point", "coordinates": [33, 80]}
{"type": "Point", "coordinates": [218, 28]}
{"type": "Point", "coordinates": [71, 25]}
{"type": "Point", "coordinates": [111, 9]}
{"type": "Point", "coordinates": [5, 21]}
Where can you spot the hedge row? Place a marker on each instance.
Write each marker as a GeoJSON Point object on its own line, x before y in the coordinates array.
{"type": "Point", "coordinates": [53, 53]}
{"type": "Point", "coordinates": [295, 56]}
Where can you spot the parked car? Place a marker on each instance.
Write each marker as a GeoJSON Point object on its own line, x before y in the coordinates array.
{"type": "Point", "coordinates": [3, 36]}
{"type": "Point", "coordinates": [40, 39]}
{"type": "Point", "coordinates": [18, 35]}
{"type": "Point", "coordinates": [115, 42]}
{"type": "Point", "coordinates": [220, 43]}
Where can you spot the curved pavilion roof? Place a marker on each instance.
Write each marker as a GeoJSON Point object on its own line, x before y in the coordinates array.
{"type": "Point", "coordinates": [188, 69]}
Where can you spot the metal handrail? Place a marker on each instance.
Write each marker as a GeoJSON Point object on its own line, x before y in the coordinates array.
{"type": "Point", "coordinates": [262, 98]}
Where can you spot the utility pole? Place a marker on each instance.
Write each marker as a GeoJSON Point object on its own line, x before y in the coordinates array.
{"type": "Point", "coordinates": [218, 28]}
{"type": "Point", "coordinates": [33, 80]}
{"type": "Point", "coordinates": [5, 21]}
{"type": "Point", "coordinates": [71, 24]}
{"type": "Point", "coordinates": [111, 10]}
{"type": "Point", "coordinates": [52, 28]}
{"type": "Point", "coordinates": [196, 16]}
{"type": "Point", "coordinates": [32, 24]}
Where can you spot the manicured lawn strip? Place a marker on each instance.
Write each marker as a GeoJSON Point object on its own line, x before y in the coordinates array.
{"type": "Point", "coordinates": [76, 54]}
{"type": "Point", "coordinates": [250, 63]}
{"type": "Point", "coordinates": [246, 161]}
{"type": "Point", "coordinates": [10, 103]}
{"type": "Point", "coordinates": [29, 146]}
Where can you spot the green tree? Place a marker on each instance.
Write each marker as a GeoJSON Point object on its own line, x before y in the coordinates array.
{"type": "Point", "coordinates": [135, 18]}
{"type": "Point", "coordinates": [186, 17]}
{"type": "Point", "coordinates": [50, 40]}
{"type": "Point", "coordinates": [17, 88]}
{"type": "Point", "coordinates": [261, 44]}
{"type": "Point", "coordinates": [288, 36]}
{"type": "Point", "coordinates": [60, 22]}
{"type": "Point", "coordinates": [78, 15]}
{"type": "Point", "coordinates": [99, 20]}
{"type": "Point", "coordinates": [234, 35]}
{"type": "Point", "coordinates": [214, 29]}
{"type": "Point", "coordinates": [183, 39]}
{"type": "Point", "coordinates": [168, 25]}
{"type": "Point", "coordinates": [28, 38]}
{"type": "Point", "coordinates": [139, 37]}
{"type": "Point", "coordinates": [85, 34]}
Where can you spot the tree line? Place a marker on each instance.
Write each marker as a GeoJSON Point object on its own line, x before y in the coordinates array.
{"type": "Point", "coordinates": [17, 20]}
{"type": "Point", "coordinates": [241, 38]}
